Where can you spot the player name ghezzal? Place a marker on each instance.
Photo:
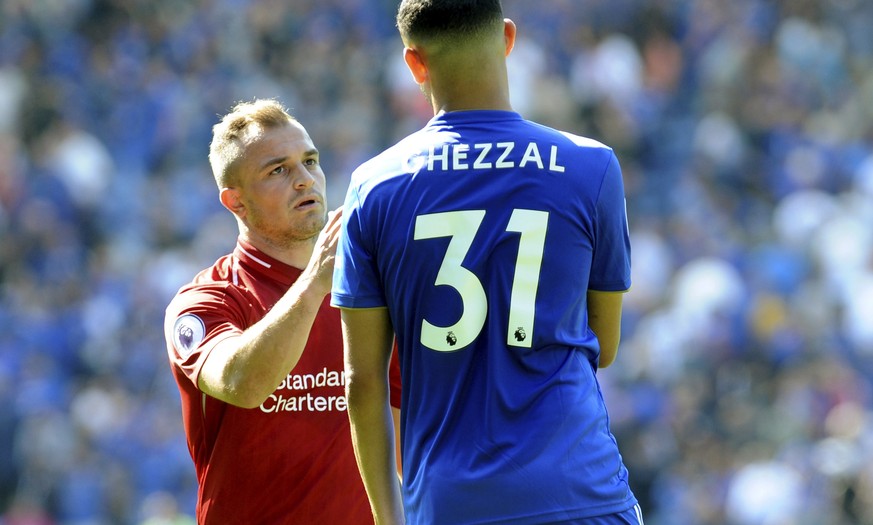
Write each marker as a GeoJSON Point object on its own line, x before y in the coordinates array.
{"type": "Point", "coordinates": [483, 156]}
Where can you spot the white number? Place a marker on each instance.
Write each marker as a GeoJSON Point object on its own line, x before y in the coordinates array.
{"type": "Point", "coordinates": [462, 226]}
{"type": "Point", "coordinates": [522, 304]}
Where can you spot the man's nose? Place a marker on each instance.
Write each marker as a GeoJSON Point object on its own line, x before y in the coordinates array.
{"type": "Point", "coordinates": [303, 178]}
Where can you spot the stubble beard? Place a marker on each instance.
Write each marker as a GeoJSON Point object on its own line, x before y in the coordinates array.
{"type": "Point", "coordinates": [304, 231]}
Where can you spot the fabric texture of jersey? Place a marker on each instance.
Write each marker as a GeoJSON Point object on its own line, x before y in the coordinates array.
{"type": "Point", "coordinates": [290, 460]}
{"type": "Point", "coordinates": [481, 234]}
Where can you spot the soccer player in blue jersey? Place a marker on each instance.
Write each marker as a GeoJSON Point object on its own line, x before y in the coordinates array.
{"type": "Point", "coordinates": [496, 250]}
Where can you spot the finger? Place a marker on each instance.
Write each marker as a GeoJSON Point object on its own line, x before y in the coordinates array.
{"type": "Point", "coordinates": [334, 215]}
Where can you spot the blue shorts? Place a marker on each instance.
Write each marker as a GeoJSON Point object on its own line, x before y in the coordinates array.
{"type": "Point", "coordinates": [632, 516]}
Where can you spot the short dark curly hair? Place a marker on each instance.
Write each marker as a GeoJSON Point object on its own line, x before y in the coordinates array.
{"type": "Point", "coordinates": [423, 20]}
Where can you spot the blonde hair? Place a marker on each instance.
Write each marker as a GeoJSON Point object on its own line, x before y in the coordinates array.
{"type": "Point", "coordinates": [232, 131]}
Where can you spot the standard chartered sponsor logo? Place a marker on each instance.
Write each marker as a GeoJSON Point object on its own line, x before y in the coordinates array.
{"type": "Point", "coordinates": [290, 401]}
{"type": "Point", "coordinates": [305, 403]}
{"type": "Point", "coordinates": [309, 381]}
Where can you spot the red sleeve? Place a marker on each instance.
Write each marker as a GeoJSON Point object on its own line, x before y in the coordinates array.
{"type": "Point", "coordinates": [394, 376]}
{"type": "Point", "coordinates": [196, 320]}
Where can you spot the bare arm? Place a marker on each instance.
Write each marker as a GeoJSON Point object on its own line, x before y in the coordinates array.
{"type": "Point", "coordinates": [604, 318]}
{"type": "Point", "coordinates": [368, 338]}
{"type": "Point", "coordinates": [395, 414]}
{"type": "Point", "coordinates": [244, 370]}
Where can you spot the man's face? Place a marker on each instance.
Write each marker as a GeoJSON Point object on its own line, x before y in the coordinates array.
{"type": "Point", "coordinates": [281, 186]}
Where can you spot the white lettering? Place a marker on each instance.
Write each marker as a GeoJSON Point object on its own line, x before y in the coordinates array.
{"type": "Point", "coordinates": [502, 163]}
{"type": "Point", "coordinates": [308, 381]}
{"type": "Point", "coordinates": [532, 153]}
{"type": "Point", "coordinates": [443, 158]}
{"type": "Point", "coordinates": [459, 157]}
{"type": "Point", "coordinates": [460, 154]}
{"type": "Point", "coordinates": [480, 163]}
{"type": "Point", "coordinates": [553, 161]}
{"type": "Point", "coordinates": [307, 403]}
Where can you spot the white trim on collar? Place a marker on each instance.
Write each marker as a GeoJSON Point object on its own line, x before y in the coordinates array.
{"type": "Point", "coordinates": [265, 264]}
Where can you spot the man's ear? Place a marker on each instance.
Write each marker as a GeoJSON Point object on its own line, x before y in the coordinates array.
{"type": "Point", "coordinates": [509, 32]}
{"type": "Point", "coordinates": [229, 198]}
{"type": "Point", "coordinates": [415, 62]}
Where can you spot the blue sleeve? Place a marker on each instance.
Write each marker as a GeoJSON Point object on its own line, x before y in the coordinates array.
{"type": "Point", "coordinates": [610, 266]}
{"type": "Point", "coordinates": [356, 282]}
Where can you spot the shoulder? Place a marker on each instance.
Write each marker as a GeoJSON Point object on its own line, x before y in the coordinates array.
{"type": "Point", "coordinates": [391, 163]}
{"type": "Point", "coordinates": [193, 294]}
{"type": "Point", "coordinates": [587, 143]}
{"type": "Point", "coordinates": [582, 142]}
{"type": "Point", "coordinates": [584, 148]}
{"type": "Point", "coordinates": [213, 288]}
{"type": "Point", "coordinates": [201, 310]}
{"type": "Point", "coordinates": [589, 153]}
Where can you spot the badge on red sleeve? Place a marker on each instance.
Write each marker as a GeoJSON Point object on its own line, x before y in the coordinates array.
{"type": "Point", "coordinates": [188, 333]}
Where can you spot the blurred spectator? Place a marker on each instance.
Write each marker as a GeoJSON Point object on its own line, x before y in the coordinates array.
{"type": "Point", "coordinates": [745, 132]}
{"type": "Point", "coordinates": [161, 508]}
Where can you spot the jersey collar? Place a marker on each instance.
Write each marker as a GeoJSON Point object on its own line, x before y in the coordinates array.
{"type": "Point", "coordinates": [258, 262]}
{"type": "Point", "coordinates": [472, 116]}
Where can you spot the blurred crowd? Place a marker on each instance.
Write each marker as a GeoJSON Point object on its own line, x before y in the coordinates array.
{"type": "Point", "coordinates": [743, 391]}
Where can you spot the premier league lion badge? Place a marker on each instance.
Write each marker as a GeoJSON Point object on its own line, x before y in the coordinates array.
{"type": "Point", "coordinates": [188, 333]}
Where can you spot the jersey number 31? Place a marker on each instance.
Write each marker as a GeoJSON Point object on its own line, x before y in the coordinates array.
{"type": "Point", "coordinates": [461, 227]}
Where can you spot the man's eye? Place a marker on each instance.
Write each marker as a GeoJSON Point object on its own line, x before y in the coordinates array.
{"type": "Point", "coordinates": [311, 162]}
{"type": "Point", "coordinates": [278, 170]}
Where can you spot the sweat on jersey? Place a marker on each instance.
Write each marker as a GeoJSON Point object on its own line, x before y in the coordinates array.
{"type": "Point", "coordinates": [290, 460]}
{"type": "Point", "coordinates": [482, 233]}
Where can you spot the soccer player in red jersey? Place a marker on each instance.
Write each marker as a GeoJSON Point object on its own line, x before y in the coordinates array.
{"type": "Point", "coordinates": [254, 345]}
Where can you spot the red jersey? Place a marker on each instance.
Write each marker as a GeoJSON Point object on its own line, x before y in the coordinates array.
{"type": "Point", "coordinates": [289, 461]}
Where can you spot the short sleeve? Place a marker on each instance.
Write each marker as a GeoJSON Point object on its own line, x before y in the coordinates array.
{"type": "Point", "coordinates": [611, 263]}
{"type": "Point", "coordinates": [356, 281]}
{"type": "Point", "coordinates": [196, 321]}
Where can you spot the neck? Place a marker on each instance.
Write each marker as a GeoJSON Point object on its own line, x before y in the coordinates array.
{"type": "Point", "coordinates": [469, 84]}
{"type": "Point", "coordinates": [292, 253]}
{"type": "Point", "coordinates": [470, 101]}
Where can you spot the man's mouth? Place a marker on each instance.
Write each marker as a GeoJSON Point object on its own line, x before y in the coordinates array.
{"type": "Point", "coordinates": [306, 203]}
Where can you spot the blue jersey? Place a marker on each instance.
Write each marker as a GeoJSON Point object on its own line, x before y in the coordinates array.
{"type": "Point", "coordinates": [481, 233]}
